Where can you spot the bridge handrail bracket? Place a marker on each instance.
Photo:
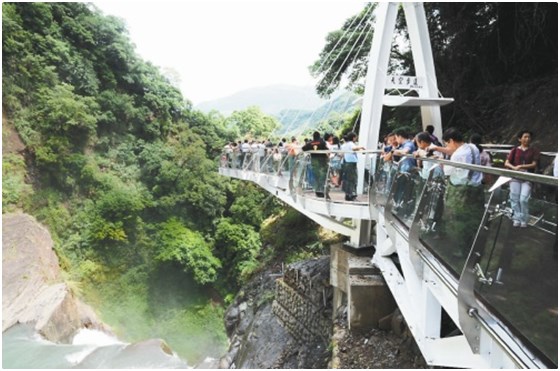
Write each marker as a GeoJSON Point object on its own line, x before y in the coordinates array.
{"type": "Point", "coordinates": [502, 337]}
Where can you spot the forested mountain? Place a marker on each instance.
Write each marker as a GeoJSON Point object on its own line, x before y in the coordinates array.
{"type": "Point", "coordinates": [329, 117]}
{"type": "Point", "coordinates": [122, 170]}
{"type": "Point", "coordinates": [299, 110]}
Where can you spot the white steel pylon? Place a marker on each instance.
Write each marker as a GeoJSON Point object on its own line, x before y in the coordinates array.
{"type": "Point", "coordinates": [377, 80]}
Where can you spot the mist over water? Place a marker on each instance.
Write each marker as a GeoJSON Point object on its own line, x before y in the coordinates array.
{"type": "Point", "coordinates": [22, 347]}
{"type": "Point", "coordinates": [164, 304]}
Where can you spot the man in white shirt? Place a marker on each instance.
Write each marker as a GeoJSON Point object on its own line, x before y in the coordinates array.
{"type": "Point", "coordinates": [464, 196]}
{"type": "Point", "coordinates": [349, 167]}
{"type": "Point", "coordinates": [255, 156]}
{"type": "Point", "coordinates": [462, 152]}
{"type": "Point", "coordinates": [245, 150]}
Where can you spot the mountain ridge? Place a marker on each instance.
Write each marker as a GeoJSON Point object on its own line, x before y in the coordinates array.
{"type": "Point", "coordinates": [271, 99]}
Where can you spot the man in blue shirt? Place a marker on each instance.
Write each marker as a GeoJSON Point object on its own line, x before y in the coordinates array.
{"type": "Point", "coordinates": [403, 199]}
{"type": "Point", "coordinates": [406, 147]}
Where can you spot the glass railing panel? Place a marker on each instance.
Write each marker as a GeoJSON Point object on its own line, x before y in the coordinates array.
{"type": "Point", "coordinates": [235, 160]}
{"type": "Point", "coordinates": [316, 173]}
{"type": "Point", "coordinates": [277, 161]}
{"type": "Point", "coordinates": [333, 185]}
{"type": "Point", "coordinates": [449, 217]}
{"type": "Point", "coordinates": [246, 160]}
{"type": "Point", "coordinates": [267, 164]}
{"type": "Point", "coordinates": [227, 159]}
{"type": "Point", "coordinates": [409, 186]}
{"type": "Point", "coordinates": [224, 160]}
{"type": "Point", "coordinates": [518, 270]}
{"type": "Point", "coordinates": [384, 175]}
{"type": "Point", "coordinates": [370, 168]}
{"type": "Point", "coordinates": [298, 176]}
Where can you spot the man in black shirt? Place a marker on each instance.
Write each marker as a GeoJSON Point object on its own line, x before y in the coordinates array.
{"type": "Point", "coordinates": [319, 164]}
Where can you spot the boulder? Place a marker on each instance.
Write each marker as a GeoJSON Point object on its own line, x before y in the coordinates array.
{"type": "Point", "coordinates": [33, 290]}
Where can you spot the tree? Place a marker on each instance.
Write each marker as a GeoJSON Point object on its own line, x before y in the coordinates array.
{"type": "Point", "coordinates": [178, 244]}
{"type": "Point", "coordinates": [346, 52]}
{"type": "Point", "coordinates": [182, 180]}
{"type": "Point", "coordinates": [475, 46]}
{"type": "Point", "coordinates": [238, 246]}
{"type": "Point", "coordinates": [251, 123]}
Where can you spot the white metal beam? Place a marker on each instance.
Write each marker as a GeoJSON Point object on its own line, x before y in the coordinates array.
{"type": "Point", "coordinates": [423, 62]}
{"type": "Point", "coordinates": [372, 104]}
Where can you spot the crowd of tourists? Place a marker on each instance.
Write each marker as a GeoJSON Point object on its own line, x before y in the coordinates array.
{"type": "Point", "coordinates": [265, 156]}
{"type": "Point", "coordinates": [337, 166]}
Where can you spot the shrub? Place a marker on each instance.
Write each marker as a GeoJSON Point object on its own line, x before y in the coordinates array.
{"type": "Point", "coordinates": [178, 244]}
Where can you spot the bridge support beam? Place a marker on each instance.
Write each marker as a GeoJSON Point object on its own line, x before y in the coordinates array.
{"type": "Point", "coordinates": [361, 236]}
{"type": "Point", "coordinates": [423, 62]}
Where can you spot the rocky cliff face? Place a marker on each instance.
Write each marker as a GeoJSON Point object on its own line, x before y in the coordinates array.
{"type": "Point", "coordinates": [258, 338]}
{"type": "Point", "coordinates": [32, 287]}
{"type": "Point", "coordinates": [286, 321]}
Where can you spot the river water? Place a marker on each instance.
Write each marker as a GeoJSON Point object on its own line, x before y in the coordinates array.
{"type": "Point", "coordinates": [22, 347]}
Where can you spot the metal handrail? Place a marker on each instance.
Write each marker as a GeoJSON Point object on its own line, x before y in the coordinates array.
{"type": "Point", "coordinates": [531, 177]}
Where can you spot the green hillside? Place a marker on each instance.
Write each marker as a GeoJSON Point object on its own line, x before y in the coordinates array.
{"type": "Point", "coordinates": [102, 149]}
{"type": "Point", "coordinates": [330, 117]}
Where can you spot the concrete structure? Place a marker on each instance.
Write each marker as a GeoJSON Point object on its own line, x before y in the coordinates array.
{"type": "Point", "coordinates": [359, 286]}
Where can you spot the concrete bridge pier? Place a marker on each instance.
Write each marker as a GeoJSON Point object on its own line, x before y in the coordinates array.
{"type": "Point", "coordinates": [360, 286]}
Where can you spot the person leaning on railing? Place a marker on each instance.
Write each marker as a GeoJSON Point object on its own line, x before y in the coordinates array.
{"type": "Point", "coordinates": [464, 195]}
{"type": "Point", "coordinates": [403, 198]}
{"type": "Point", "coordinates": [423, 142]}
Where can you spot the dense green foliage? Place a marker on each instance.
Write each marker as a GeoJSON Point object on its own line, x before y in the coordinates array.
{"type": "Point", "coordinates": [346, 51]}
{"type": "Point", "coordinates": [113, 139]}
{"type": "Point", "coordinates": [484, 53]}
{"type": "Point", "coordinates": [123, 171]}
{"type": "Point", "coordinates": [188, 248]}
{"type": "Point", "coordinates": [251, 122]}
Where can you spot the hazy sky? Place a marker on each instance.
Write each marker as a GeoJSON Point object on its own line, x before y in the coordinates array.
{"type": "Point", "coordinates": [219, 48]}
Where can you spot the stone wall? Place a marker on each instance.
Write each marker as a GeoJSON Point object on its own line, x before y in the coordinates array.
{"type": "Point", "coordinates": [303, 301]}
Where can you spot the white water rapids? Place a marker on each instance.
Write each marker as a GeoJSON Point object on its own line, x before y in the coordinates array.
{"type": "Point", "coordinates": [22, 347]}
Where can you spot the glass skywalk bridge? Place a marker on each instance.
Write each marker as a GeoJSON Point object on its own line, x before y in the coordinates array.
{"type": "Point", "coordinates": [441, 254]}
{"type": "Point", "coordinates": [444, 251]}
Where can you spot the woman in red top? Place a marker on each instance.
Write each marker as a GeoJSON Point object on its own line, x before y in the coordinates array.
{"type": "Point", "coordinates": [521, 158]}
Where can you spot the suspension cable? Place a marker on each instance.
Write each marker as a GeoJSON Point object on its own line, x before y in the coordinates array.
{"type": "Point", "coordinates": [353, 61]}
{"type": "Point", "coordinates": [361, 20]}
{"type": "Point", "coordinates": [322, 64]}
{"type": "Point", "coordinates": [366, 28]}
